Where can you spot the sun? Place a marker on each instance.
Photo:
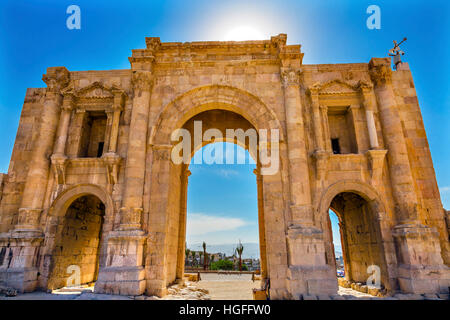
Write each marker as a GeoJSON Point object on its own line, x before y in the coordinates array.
{"type": "Point", "coordinates": [243, 33]}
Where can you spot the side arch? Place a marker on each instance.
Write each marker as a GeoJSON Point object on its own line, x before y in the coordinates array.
{"type": "Point", "coordinates": [362, 189]}
{"type": "Point", "coordinates": [378, 209]}
{"type": "Point", "coordinates": [65, 198]}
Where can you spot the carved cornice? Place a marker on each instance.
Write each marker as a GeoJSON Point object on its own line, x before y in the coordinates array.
{"type": "Point", "coordinates": [142, 80]}
{"type": "Point", "coordinates": [56, 78]}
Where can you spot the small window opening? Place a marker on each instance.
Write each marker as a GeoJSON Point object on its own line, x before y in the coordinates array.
{"type": "Point", "coordinates": [335, 146]}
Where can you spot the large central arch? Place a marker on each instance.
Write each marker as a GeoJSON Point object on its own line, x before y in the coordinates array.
{"type": "Point", "coordinates": [166, 220]}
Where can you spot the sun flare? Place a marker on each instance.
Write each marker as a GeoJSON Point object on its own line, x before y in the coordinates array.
{"type": "Point", "coordinates": [243, 33]}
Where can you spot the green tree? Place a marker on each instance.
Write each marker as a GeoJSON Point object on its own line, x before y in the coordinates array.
{"type": "Point", "coordinates": [222, 265]}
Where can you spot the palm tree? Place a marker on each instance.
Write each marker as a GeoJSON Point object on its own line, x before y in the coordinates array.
{"type": "Point", "coordinates": [239, 250]}
{"type": "Point", "coordinates": [205, 255]}
{"type": "Point", "coordinates": [211, 260]}
{"type": "Point", "coordinates": [200, 255]}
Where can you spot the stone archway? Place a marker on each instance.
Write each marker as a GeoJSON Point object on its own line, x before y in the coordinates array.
{"type": "Point", "coordinates": [78, 220]}
{"type": "Point", "coordinates": [365, 238]}
{"type": "Point", "coordinates": [168, 209]}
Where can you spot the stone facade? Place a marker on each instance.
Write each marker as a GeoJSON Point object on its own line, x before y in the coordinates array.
{"type": "Point", "coordinates": [91, 182]}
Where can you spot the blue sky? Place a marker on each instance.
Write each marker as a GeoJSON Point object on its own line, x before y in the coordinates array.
{"type": "Point", "coordinates": [33, 36]}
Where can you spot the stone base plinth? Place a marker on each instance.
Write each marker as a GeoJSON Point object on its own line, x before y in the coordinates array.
{"type": "Point", "coordinates": [308, 272]}
{"type": "Point", "coordinates": [121, 280]}
{"type": "Point", "coordinates": [421, 269]}
{"type": "Point", "coordinates": [18, 257]}
{"type": "Point", "coordinates": [307, 280]}
{"type": "Point", "coordinates": [123, 272]}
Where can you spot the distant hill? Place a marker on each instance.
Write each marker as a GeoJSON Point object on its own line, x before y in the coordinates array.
{"type": "Point", "coordinates": [251, 249]}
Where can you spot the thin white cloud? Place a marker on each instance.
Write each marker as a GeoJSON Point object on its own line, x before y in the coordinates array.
{"type": "Point", "coordinates": [227, 173]}
{"type": "Point", "coordinates": [198, 223]}
{"type": "Point", "coordinates": [444, 190]}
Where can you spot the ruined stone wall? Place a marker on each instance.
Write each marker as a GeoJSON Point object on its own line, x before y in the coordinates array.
{"type": "Point", "coordinates": [14, 181]}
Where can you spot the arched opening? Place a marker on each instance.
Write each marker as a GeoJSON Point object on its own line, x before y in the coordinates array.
{"type": "Point", "coordinates": [221, 120]}
{"type": "Point", "coordinates": [353, 220]}
{"type": "Point", "coordinates": [75, 256]}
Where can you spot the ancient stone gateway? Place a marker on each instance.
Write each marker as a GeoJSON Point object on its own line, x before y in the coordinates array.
{"type": "Point", "coordinates": [92, 183]}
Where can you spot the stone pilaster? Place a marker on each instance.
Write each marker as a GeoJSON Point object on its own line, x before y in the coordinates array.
{"type": "Point", "coordinates": [406, 204]}
{"type": "Point", "coordinates": [35, 185]}
{"type": "Point", "coordinates": [132, 205]}
{"type": "Point", "coordinates": [305, 241]}
{"type": "Point", "coordinates": [300, 191]}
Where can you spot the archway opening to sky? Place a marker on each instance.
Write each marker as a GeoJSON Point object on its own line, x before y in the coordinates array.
{"type": "Point", "coordinates": [222, 212]}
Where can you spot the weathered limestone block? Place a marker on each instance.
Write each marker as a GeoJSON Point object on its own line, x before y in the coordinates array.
{"type": "Point", "coordinates": [421, 269]}
{"type": "Point", "coordinates": [123, 272]}
{"type": "Point", "coordinates": [308, 272]}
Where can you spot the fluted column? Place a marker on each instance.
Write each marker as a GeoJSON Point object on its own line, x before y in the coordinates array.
{"type": "Point", "coordinates": [63, 126]}
{"type": "Point", "coordinates": [406, 204]}
{"type": "Point", "coordinates": [132, 205]}
{"type": "Point", "coordinates": [261, 226]}
{"type": "Point", "coordinates": [369, 108]}
{"type": "Point", "coordinates": [300, 193]}
{"type": "Point", "coordinates": [182, 224]}
{"type": "Point", "coordinates": [35, 185]}
{"type": "Point", "coordinates": [317, 120]}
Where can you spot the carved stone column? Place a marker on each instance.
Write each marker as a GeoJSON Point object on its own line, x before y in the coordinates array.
{"type": "Point", "coordinates": [35, 185]}
{"type": "Point", "coordinates": [21, 245]}
{"type": "Point", "coordinates": [317, 119]}
{"type": "Point", "coordinates": [406, 204]}
{"type": "Point", "coordinates": [182, 225]}
{"type": "Point", "coordinates": [300, 192]}
{"type": "Point", "coordinates": [305, 242]}
{"type": "Point", "coordinates": [132, 206]}
{"type": "Point", "coordinates": [124, 271]}
{"type": "Point", "coordinates": [59, 158]}
{"type": "Point", "coordinates": [368, 101]}
{"type": "Point", "coordinates": [261, 227]}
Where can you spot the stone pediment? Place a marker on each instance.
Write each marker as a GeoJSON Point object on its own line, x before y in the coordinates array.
{"type": "Point", "coordinates": [95, 90]}
{"type": "Point", "coordinates": [333, 87]}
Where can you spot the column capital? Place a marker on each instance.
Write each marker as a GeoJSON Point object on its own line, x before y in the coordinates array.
{"type": "Point", "coordinates": [380, 72]}
{"type": "Point", "coordinates": [290, 77]}
{"type": "Point", "coordinates": [142, 80]}
{"type": "Point", "coordinates": [68, 102]}
{"type": "Point", "coordinates": [56, 79]}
